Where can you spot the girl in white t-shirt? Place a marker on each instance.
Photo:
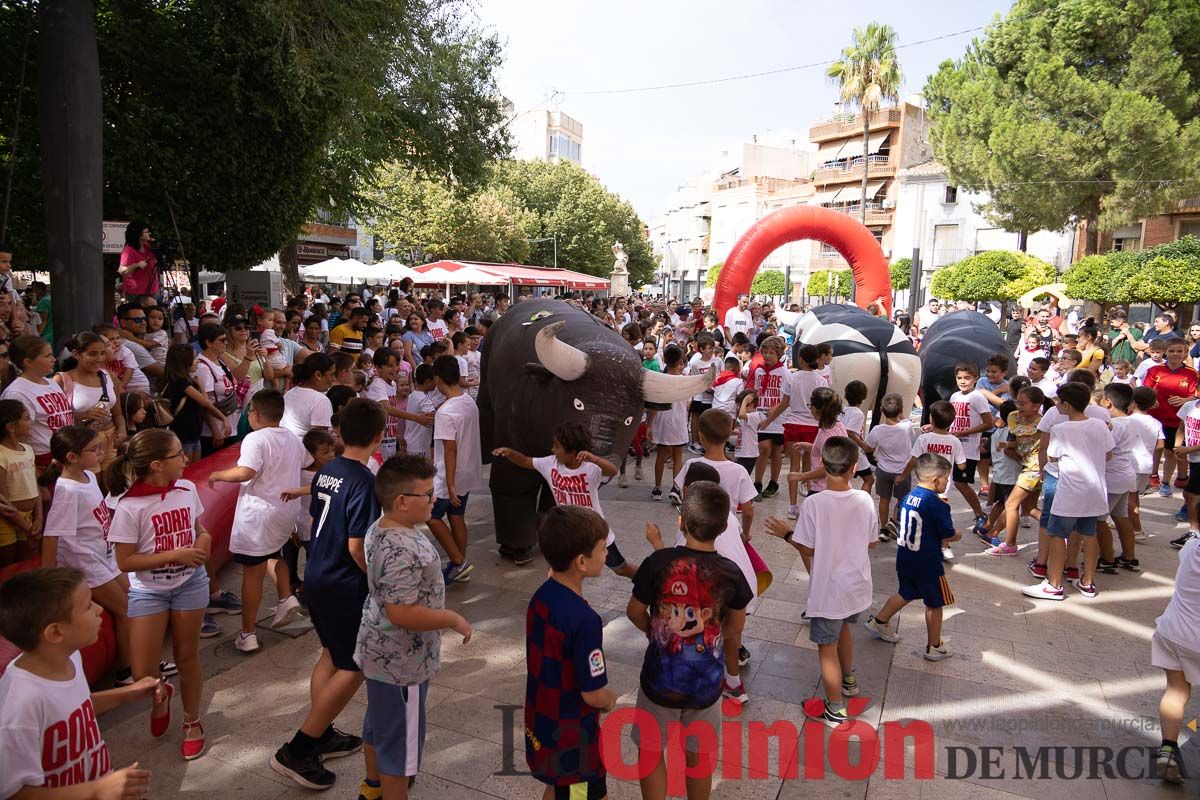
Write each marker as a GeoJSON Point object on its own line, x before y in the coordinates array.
{"type": "Point", "coordinates": [306, 405]}
{"type": "Point", "coordinates": [159, 541]}
{"type": "Point", "coordinates": [48, 406]}
{"type": "Point", "coordinates": [669, 428]}
{"type": "Point", "coordinates": [77, 530]}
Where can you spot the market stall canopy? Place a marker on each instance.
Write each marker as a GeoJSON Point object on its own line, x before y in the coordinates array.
{"type": "Point", "coordinates": [394, 271]}
{"type": "Point", "coordinates": [466, 276]}
{"type": "Point", "coordinates": [512, 274]}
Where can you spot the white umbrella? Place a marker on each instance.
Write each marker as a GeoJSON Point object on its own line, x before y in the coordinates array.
{"type": "Point", "coordinates": [395, 271]}
{"type": "Point", "coordinates": [320, 270]}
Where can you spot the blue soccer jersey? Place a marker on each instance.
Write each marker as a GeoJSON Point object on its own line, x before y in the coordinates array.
{"type": "Point", "coordinates": [343, 507]}
{"type": "Point", "coordinates": [924, 522]}
{"type": "Point", "coordinates": [564, 658]}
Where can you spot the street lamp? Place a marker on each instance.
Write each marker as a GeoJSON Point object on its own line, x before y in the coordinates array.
{"type": "Point", "coordinates": [548, 239]}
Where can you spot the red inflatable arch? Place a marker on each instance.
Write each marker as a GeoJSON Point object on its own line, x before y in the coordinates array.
{"type": "Point", "coordinates": [849, 236]}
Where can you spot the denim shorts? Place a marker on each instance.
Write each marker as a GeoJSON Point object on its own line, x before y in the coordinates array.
{"type": "Point", "coordinates": [827, 631]}
{"type": "Point", "coordinates": [191, 595]}
{"type": "Point", "coordinates": [442, 507]}
{"type": "Point", "coordinates": [1063, 527]}
{"type": "Point", "coordinates": [1049, 488]}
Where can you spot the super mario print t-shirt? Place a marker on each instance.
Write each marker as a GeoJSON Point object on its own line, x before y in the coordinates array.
{"type": "Point", "coordinates": [688, 593]}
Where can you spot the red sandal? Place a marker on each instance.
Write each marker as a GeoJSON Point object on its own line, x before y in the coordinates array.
{"type": "Point", "coordinates": [159, 725]}
{"type": "Point", "coordinates": [192, 748]}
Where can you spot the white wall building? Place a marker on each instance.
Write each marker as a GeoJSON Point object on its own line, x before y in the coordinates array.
{"type": "Point", "coordinates": [706, 217]}
{"type": "Point", "coordinates": [545, 135]}
{"type": "Point", "coordinates": [944, 222]}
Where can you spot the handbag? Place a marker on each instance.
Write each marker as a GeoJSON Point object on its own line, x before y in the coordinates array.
{"type": "Point", "coordinates": [229, 403]}
{"type": "Point", "coordinates": [159, 411]}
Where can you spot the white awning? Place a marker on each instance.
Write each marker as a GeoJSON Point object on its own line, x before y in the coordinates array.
{"type": "Point", "coordinates": [826, 197]}
{"type": "Point", "coordinates": [832, 151]}
{"type": "Point", "coordinates": [852, 194]}
{"type": "Point", "coordinates": [876, 140]}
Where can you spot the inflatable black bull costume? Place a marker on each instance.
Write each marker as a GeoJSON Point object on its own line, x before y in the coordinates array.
{"type": "Point", "coordinates": [546, 362]}
{"type": "Point", "coordinates": [960, 336]}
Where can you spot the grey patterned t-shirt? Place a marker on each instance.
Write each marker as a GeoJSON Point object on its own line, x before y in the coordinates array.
{"type": "Point", "coordinates": [403, 568]}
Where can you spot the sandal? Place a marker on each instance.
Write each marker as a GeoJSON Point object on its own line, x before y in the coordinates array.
{"type": "Point", "coordinates": [192, 748]}
{"type": "Point", "coordinates": [159, 725]}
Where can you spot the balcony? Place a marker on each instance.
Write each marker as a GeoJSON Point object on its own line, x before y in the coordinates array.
{"type": "Point", "coordinates": [879, 166]}
{"type": "Point", "coordinates": [876, 213]}
{"type": "Point", "coordinates": [843, 125]}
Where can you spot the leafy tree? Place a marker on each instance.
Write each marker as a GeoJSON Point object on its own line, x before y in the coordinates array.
{"type": "Point", "coordinates": [770, 282]}
{"type": "Point", "coordinates": [867, 74]}
{"type": "Point", "coordinates": [993, 275]}
{"type": "Point", "coordinates": [819, 283]}
{"type": "Point", "coordinates": [242, 117]}
{"type": "Point", "coordinates": [901, 274]}
{"type": "Point", "coordinates": [713, 274]}
{"type": "Point", "coordinates": [1098, 277]}
{"type": "Point", "coordinates": [1162, 280]}
{"type": "Point", "coordinates": [1074, 112]}
{"type": "Point", "coordinates": [586, 219]}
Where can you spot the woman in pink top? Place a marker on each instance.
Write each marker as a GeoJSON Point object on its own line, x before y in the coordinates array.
{"type": "Point", "coordinates": [139, 266]}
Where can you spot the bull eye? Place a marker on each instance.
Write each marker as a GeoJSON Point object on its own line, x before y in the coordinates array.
{"type": "Point", "coordinates": [578, 404]}
{"type": "Point", "coordinates": [629, 420]}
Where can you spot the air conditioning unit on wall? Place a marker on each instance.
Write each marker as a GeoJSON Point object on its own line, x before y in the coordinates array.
{"type": "Point", "coordinates": [889, 202]}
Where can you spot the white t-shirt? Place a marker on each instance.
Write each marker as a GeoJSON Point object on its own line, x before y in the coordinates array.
{"type": "Point", "coordinates": [1189, 421]}
{"type": "Point", "coordinates": [699, 366]}
{"type": "Point", "coordinates": [969, 408]}
{"type": "Point", "coordinates": [305, 409]}
{"type": "Point", "coordinates": [80, 519]}
{"type": "Point", "coordinates": [1053, 417]}
{"type": "Point", "coordinates": [729, 544]}
{"type": "Point", "coordinates": [574, 487]}
{"type": "Point", "coordinates": [1178, 622]}
{"type": "Point", "coordinates": [945, 445]}
{"type": "Point", "coordinates": [458, 420]}
{"type": "Point", "coordinates": [157, 523]}
{"type": "Point", "coordinates": [473, 357]}
{"type": "Point", "coordinates": [142, 358]}
{"type": "Point", "coordinates": [382, 391]}
{"type": "Point", "coordinates": [799, 388]}
{"type": "Point", "coordinates": [1119, 474]}
{"type": "Point", "coordinates": [262, 523]}
{"type": "Point", "coordinates": [437, 328]}
{"type": "Point", "coordinates": [138, 382]}
{"type": "Point", "coordinates": [738, 321]}
{"type": "Point", "coordinates": [839, 527]}
{"type": "Point", "coordinates": [893, 445]}
{"type": "Point", "coordinates": [1144, 367]}
{"type": "Point", "coordinates": [48, 407]}
{"type": "Point", "coordinates": [768, 384]}
{"type": "Point", "coordinates": [218, 385]}
{"type": "Point", "coordinates": [855, 421]}
{"type": "Point", "coordinates": [1048, 386]}
{"type": "Point", "coordinates": [725, 395]}
{"type": "Point", "coordinates": [48, 732]}
{"type": "Point", "coordinates": [745, 435]}
{"type": "Point", "coordinates": [418, 438]}
{"type": "Point", "coordinates": [670, 426]}
{"type": "Point", "coordinates": [734, 479]}
{"type": "Point", "coordinates": [1080, 448]}
{"type": "Point", "coordinates": [1147, 433]}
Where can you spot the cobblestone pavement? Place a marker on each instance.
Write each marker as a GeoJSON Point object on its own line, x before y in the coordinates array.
{"type": "Point", "coordinates": [1045, 686]}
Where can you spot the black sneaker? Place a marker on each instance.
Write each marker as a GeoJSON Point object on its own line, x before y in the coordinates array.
{"type": "Point", "coordinates": [306, 771]}
{"type": "Point", "coordinates": [676, 497]}
{"type": "Point", "coordinates": [743, 656]}
{"type": "Point", "coordinates": [1182, 540]}
{"type": "Point", "coordinates": [523, 557]}
{"type": "Point", "coordinates": [336, 744]}
{"type": "Point", "coordinates": [771, 490]}
{"type": "Point", "coordinates": [1130, 564]}
{"type": "Point", "coordinates": [1107, 567]}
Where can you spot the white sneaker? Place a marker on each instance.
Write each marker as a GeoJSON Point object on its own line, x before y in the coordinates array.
{"type": "Point", "coordinates": [882, 630]}
{"type": "Point", "coordinates": [246, 642]}
{"type": "Point", "coordinates": [623, 482]}
{"type": "Point", "coordinates": [947, 554]}
{"type": "Point", "coordinates": [793, 512]}
{"type": "Point", "coordinates": [286, 612]}
{"type": "Point", "coordinates": [637, 473]}
{"type": "Point", "coordinates": [1026, 522]}
{"type": "Point", "coordinates": [1140, 536]}
{"type": "Point", "coordinates": [937, 653]}
{"type": "Point", "coordinates": [1043, 591]}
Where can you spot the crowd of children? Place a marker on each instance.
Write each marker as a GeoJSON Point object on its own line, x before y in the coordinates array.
{"type": "Point", "coordinates": [346, 451]}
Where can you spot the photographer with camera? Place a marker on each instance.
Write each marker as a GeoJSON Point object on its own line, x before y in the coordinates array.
{"type": "Point", "coordinates": [139, 265]}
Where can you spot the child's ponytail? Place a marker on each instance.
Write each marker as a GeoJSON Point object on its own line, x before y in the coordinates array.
{"type": "Point", "coordinates": [64, 442]}
{"type": "Point", "coordinates": [135, 456]}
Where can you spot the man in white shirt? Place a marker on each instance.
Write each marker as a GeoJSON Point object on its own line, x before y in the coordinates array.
{"type": "Point", "coordinates": [738, 319]}
{"type": "Point", "coordinates": [133, 329]}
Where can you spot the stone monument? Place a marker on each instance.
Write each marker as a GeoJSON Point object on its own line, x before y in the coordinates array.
{"type": "Point", "coordinates": [619, 285]}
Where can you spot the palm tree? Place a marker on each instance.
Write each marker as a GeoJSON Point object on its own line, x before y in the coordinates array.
{"type": "Point", "coordinates": [868, 74]}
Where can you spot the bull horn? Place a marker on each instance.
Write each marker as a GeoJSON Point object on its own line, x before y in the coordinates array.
{"type": "Point", "coordinates": [564, 361]}
{"type": "Point", "coordinates": [658, 387]}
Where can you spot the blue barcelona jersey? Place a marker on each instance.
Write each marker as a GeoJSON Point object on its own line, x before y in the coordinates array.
{"type": "Point", "coordinates": [924, 522]}
{"type": "Point", "coordinates": [343, 507]}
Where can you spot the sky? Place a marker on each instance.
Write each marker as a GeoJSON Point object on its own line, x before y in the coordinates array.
{"type": "Point", "coordinates": [643, 145]}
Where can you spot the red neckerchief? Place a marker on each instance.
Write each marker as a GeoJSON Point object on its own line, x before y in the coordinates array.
{"type": "Point", "coordinates": [143, 489]}
{"type": "Point", "coordinates": [724, 377]}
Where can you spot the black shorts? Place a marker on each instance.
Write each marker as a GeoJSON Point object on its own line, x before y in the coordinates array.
{"type": "Point", "coordinates": [254, 561]}
{"type": "Point", "coordinates": [596, 789]}
{"type": "Point", "coordinates": [863, 473]}
{"type": "Point", "coordinates": [336, 623]}
{"type": "Point", "coordinates": [1169, 438]}
{"type": "Point", "coordinates": [966, 475]}
{"type": "Point", "coordinates": [999, 492]}
{"type": "Point", "coordinates": [748, 463]}
{"type": "Point", "coordinates": [1193, 482]}
{"type": "Point", "coordinates": [613, 558]}
{"type": "Point", "coordinates": [698, 407]}
{"type": "Point", "coordinates": [934, 592]}
{"type": "Point", "coordinates": [777, 438]}
{"type": "Point", "coordinates": [985, 446]}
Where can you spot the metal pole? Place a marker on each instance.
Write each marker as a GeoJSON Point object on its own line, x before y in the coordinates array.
{"type": "Point", "coordinates": [914, 285]}
{"type": "Point", "coordinates": [554, 239]}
